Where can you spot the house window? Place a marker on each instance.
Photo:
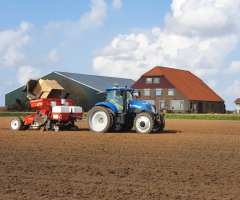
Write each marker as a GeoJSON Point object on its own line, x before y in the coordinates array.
{"type": "Point", "coordinates": [170, 92]}
{"type": "Point", "coordinates": [177, 104]}
{"type": "Point", "coordinates": [158, 92]}
{"type": "Point", "coordinates": [148, 80]}
{"type": "Point", "coordinates": [146, 92]}
{"type": "Point", "coordinates": [156, 80]}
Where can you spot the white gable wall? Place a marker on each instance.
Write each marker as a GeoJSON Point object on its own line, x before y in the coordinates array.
{"type": "Point", "coordinates": [238, 108]}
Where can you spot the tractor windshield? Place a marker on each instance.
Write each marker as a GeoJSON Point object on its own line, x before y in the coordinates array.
{"type": "Point", "coordinates": [114, 96]}
{"type": "Point", "coordinates": [129, 96]}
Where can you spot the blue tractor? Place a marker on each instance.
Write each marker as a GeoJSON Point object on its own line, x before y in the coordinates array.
{"type": "Point", "coordinates": [120, 112]}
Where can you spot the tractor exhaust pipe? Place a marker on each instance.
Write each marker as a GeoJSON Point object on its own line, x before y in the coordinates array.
{"type": "Point", "coordinates": [124, 117]}
{"type": "Point", "coordinates": [125, 100]}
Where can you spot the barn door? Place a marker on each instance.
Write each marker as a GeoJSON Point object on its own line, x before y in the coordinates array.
{"type": "Point", "coordinates": [200, 107]}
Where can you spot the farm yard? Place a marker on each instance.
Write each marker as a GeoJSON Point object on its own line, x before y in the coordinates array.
{"type": "Point", "coordinates": [191, 159]}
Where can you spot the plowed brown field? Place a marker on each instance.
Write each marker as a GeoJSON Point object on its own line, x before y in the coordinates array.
{"type": "Point", "coordinates": [191, 159]}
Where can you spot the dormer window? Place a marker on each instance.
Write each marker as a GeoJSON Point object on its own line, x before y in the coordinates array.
{"type": "Point", "coordinates": [156, 80]}
{"type": "Point", "coordinates": [148, 80]}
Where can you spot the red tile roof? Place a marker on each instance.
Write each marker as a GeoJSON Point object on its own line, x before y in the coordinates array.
{"type": "Point", "coordinates": [237, 100]}
{"type": "Point", "coordinates": [187, 83]}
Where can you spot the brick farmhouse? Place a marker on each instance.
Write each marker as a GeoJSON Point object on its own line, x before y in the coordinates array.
{"type": "Point", "coordinates": [178, 90]}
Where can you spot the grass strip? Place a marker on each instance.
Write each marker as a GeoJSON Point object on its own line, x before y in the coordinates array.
{"type": "Point", "coordinates": [22, 114]}
{"type": "Point", "coordinates": [203, 116]}
{"type": "Point", "coordinates": [12, 114]}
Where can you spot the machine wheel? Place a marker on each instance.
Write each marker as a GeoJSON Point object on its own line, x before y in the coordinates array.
{"type": "Point", "coordinates": [56, 128]}
{"type": "Point", "coordinates": [25, 127]}
{"type": "Point", "coordinates": [42, 128]}
{"type": "Point", "coordinates": [114, 119]}
{"type": "Point", "coordinates": [75, 128]}
{"type": "Point", "coordinates": [144, 123]}
{"type": "Point", "coordinates": [159, 125]}
{"type": "Point", "coordinates": [119, 127]}
{"type": "Point", "coordinates": [124, 127]}
{"type": "Point", "coordinates": [99, 119]}
{"type": "Point", "coordinates": [159, 128]}
{"type": "Point", "coordinates": [128, 127]}
{"type": "Point", "coordinates": [156, 128]}
{"type": "Point", "coordinates": [16, 124]}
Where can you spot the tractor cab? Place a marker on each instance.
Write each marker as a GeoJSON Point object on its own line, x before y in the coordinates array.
{"type": "Point", "coordinates": [116, 96]}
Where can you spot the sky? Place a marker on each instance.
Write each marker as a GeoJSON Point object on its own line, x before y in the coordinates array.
{"type": "Point", "coordinates": [121, 38]}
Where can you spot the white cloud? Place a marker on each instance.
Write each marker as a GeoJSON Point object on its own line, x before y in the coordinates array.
{"type": "Point", "coordinates": [234, 68]}
{"type": "Point", "coordinates": [231, 93]}
{"type": "Point", "coordinates": [11, 43]}
{"type": "Point", "coordinates": [26, 72]}
{"type": "Point", "coordinates": [96, 16]}
{"type": "Point", "coordinates": [201, 56]}
{"type": "Point", "coordinates": [63, 44]}
{"type": "Point", "coordinates": [233, 90]}
{"type": "Point", "coordinates": [117, 4]}
{"type": "Point", "coordinates": [212, 83]}
{"type": "Point", "coordinates": [89, 20]}
{"type": "Point", "coordinates": [198, 36]}
{"type": "Point", "coordinates": [204, 17]}
{"type": "Point", "coordinates": [176, 7]}
{"type": "Point", "coordinates": [53, 55]}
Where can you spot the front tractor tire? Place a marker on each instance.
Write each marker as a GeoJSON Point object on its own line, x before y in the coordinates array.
{"type": "Point", "coordinates": [144, 123]}
{"type": "Point", "coordinates": [16, 124]}
{"type": "Point", "coordinates": [159, 124]}
{"type": "Point", "coordinates": [99, 119]}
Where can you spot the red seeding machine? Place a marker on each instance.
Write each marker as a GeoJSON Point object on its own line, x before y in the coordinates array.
{"type": "Point", "coordinates": [54, 112]}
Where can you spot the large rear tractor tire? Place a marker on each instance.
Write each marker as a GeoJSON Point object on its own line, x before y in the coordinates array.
{"type": "Point", "coordinates": [144, 123]}
{"type": "Point", "coordinates": [16, 124]}
{"type": "Point", "coordinates": [114, 121]}
{"type": "Point", "coordinates": [99, 119]}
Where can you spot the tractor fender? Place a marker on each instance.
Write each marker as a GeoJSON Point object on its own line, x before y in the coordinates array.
{"type": "Point", "coordinates": [109, 105]}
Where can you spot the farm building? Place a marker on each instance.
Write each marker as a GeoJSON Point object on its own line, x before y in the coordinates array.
{"type": "Point", "coordinates": [237, 102]}
{"type": "Point", "coordinates": [178, 90]}
{"type": "Point", "coordinates": [91, 84]}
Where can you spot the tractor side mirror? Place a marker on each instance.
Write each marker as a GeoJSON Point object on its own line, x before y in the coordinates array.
{"type": "Point", "coordinates": [137, 93]}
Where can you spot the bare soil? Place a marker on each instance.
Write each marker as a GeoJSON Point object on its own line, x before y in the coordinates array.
{"type": "Point", "coordinates": [191, 159]}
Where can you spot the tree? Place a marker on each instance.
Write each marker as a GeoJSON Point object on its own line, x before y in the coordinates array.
{"type": "Point", "coordinates": [20, 105]}
{"type": "Point", "coordinates": [77, 93]}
